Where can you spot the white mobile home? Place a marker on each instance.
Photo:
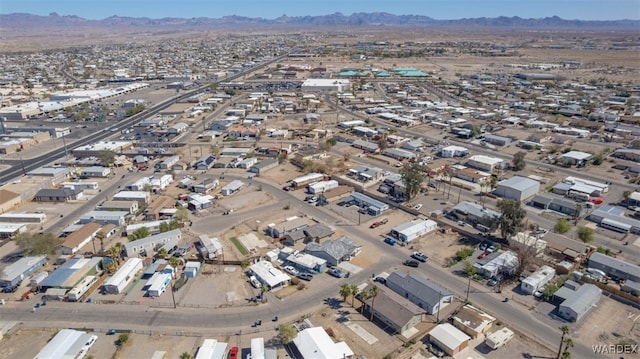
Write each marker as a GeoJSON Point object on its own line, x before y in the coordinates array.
{"type": "Point", "coordinates": [125, 275]}
{"type": "Point", "coordinates": [322, 186]}
{"type": "Point", "coordinates": [232, 188]}
{"type": "Point", "coordinates": [537, 280]}
{"type": "Point", "coordinates": [497, 339]}
{"type": "Point", "coordinates": [81, 288]}
{"type": "Point", "coordinates": [411, 230]}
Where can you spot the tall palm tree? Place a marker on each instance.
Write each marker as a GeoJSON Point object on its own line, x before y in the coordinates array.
{"type": "Point", "coordinates": [354, 292]}
{"type": "Point", "coordinates": [364, 295]}
{"type": "Point", "coordinates": [263, 290]}
{"type": "Point", "coordinates": [373, 292]}
{"type": "Point", "coordinates": [345, 291]}
{"type": "Point", "coordinates": [565, 331]}
{"type": "Point", "coordinates": [101, 236]}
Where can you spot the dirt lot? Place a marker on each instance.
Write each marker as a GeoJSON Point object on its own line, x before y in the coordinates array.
{"type": "Point", "coordinates": [216, 286]}
{"type": "Point", "coordinates": [143, 346]}
{"type": "Point", "coordinates": [610, 322]}
{"type": "Point", "coordinates": [24, 343]}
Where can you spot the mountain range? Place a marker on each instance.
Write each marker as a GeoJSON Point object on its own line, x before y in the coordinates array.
{"type": "Point", "coordinates": [22, 20]}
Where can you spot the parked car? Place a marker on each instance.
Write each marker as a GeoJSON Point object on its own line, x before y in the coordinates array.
{"type": "Point", "coordinates": [420, 256]}
{"type": "Point", "coordinates": [374, 225]}
{"type": "Point", "coordinates": [390, 241]}
{"type": "Point", "coordinates": [335, 272]}
{"type": "Point", "coordinates": [291, 270]}
{"type": "Point", "coordinates": [383, 221]}
{"type": "Point", "coordinates": [233, 353]}
{"type": "Point", "coordinates": [491, 249]}
{"type": "Point", "coordinates": [380, 280]}
{"type": "Point", "coordinates": [417, 206]}
{"type": "Point", "coordinates": [305, 276]}
{"type": "Point", "coordinates": [483, 246]}
{"type": "Point", "coordinates": [411, 263]}
{"type": "Point", "coordinates": [482, 255]}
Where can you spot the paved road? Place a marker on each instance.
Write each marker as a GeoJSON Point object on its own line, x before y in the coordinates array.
{"type": "Point", "coordinates": [228, 321]}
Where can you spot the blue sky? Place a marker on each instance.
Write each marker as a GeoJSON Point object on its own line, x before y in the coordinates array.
{"type": "Point", "coordinates": [438, 9]}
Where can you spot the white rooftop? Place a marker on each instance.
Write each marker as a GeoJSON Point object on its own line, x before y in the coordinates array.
{"type": "Point", "coordinates": [448, 335]}
{"type": "Point", "coordinates": [315, 343]}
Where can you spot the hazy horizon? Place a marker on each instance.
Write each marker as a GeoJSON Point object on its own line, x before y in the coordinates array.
{"type": "Point", "coordinates": [437, 9]}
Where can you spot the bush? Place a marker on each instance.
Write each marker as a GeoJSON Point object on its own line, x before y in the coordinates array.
{"type": "Point", "coordinates": [562, 226]}
{"type": "Point", "coordinates": [464, 253]}
{"type": "Point", "coordinates": [329, 332]}
{"type": "Point", "coordinates": [295, 281]}
{"type": "Point", "coordinates": [301, 286]}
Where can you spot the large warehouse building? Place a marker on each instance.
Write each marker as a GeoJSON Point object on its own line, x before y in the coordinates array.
{"type": "Point", "coordinates": [326, 85]}
{"type": "Point", "coordinates": [518, 188]}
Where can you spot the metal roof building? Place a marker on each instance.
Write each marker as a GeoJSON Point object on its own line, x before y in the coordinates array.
{"type": "Point", "coordinates": [518, 188]}
{"type": "Point", "coordinates": [72, 272]}
{"type": "Point", "coordinates": [614, 267]}
{"type": "Point", "coordinates": [375, 207]}
{"type": "Point", "coordinates": [67, 344]}
{"type": "Point", "coordinates": [232, 187]}
{"type": "Point", "coordinates": [125, 275]}
{"type": "Point", "coordinates": [450, 339]}
{"type": "Point", "coordinates": [211, 349]}
{"type": "Point", "coordinates": [16, 272]}
{"type": "Point", "coordinates": [268, 275]}
{"type": "Point", "coordinates": [419, 290]}
{"type": "Point", "coordinates": [579, 303]}
{"type": "Point", "coordinates": [411, 230]}
{"type": "Point", "coordinates": [151, 243]}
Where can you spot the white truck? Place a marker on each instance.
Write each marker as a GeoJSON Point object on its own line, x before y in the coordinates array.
{"type": "Point", "coordinates": [499, 338]}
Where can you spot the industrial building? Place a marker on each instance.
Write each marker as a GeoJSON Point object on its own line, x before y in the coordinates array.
{"type": "Point", "coordinates": [579, 302]}
{"type": "Point", "coordinates": [125, 275]}
{"type": "Point", "coordinates": [15, 273]}
{"type": "Point", "coordinates": [152, 243]}
{"type": "Point", "coordinates": [68, 343]}
{"type": "Point", "coordinates": [419, 290]}
{"type": "Point", "coordinates": [408, 231]}
{"type": "Point", "coordinates": [326, 85]}
{"type": "Point", "coordinates": [518, 188]}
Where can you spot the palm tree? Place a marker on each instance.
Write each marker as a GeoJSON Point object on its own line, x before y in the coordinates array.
{"type": "Point", "coordinates": [114, 253]}
{"type": "Point", "coordinates": [354, 292]}
{"type": "Point", "coordinates": [101, 236]}
{"type": "Point", "coordinates": [568, 343]}
{"type": "Point", "coordinates": [565, 331]}
{"type": "Point", "coordinates": [373, 292]}
{"type": "Point", "coordinates": [345, 291]}
{"type": "Point", "coordinates": [263, 290]}
{"type": "Point", "coordinates": [364, 295]}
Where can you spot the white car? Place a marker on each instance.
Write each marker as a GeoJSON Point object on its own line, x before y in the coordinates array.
{"type": "Point", "coordinates": [417, 206]}
{"type": "Point", "coordinates": [291, 270]}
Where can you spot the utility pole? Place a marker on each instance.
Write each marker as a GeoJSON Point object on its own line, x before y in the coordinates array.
{"type": "Point", "coordinates": [439, 300]}
{"type": "Point", "coordinates": [466, 300]}
{"type": "Point", "coordinates": [22, 164]}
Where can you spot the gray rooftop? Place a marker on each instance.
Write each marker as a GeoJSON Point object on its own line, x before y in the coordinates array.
{"type": "Point", "coordinates": [337, 248]}
{"type": "Point", "coordinates": [519, 183]}
{"type": "Point", "coordinates": [618, 265]}
{"type": "Point", "coordinates": [583, 298]}
{"type": "Point", "coordinates": [14, 270]}
{"type": "Point", "coordinates": [475, 210]}
{"type": "Point", "coordinates": [419, 287]}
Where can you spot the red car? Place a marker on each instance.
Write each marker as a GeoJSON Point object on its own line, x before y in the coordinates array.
{"type": "Point", "coordinates": [482, 255]}
{"type": "Point", "coordinates": [596, 200]}
{"type": "Point", "coordinates": [233, 353]}
{"type": "Point", "coordinates": [374, 225]}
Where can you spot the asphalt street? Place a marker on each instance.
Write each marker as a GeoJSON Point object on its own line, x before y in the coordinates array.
{"type": "Point", "coordinates": [229, 321]}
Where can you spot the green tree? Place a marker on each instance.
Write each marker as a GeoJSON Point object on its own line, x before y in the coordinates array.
{"type": "Point", "coordinates": [101, 236]}
{"type": "Point", "coordinates": [548, 291]}
{"type": "Point", "coordinates": [182, 214]}
{"type": "Point", "coordinates": [147, 187]}
{"type": "Point", "coordinates": [469, 269]}
{"type": "Point", "coordinates": [39, 243]}
{"type": "Point", "coordinates": [562, 226]}
{"type": "Point", "coordinates": [164, 227]}
{"type": "Point", "coordinates": [122, 339]}
{"type": "Point", "coordinates": [626, 194]}
{"type": "Point", "coordinates": [512, 216]}
{"type": "Point", "coordinates": [106, 157]}
{"type": "Point", "coordinates": [475, 131]}
{"type": "Point", "coordinates": [174, 262]}
{"type": "Point", "coordinates": [585, 234]}
{"type": "Point", "coordinates": [597, 160]}
{"type": "Point", "coordinates": [412, 177]}
{"type": "Point", "coordinates": [186, 355]}
{"type": "Point", "coordinates": [373, 293]}
{"type": "Point", "coordinates": [263, 291]}
{"type": "Point", "coordinates": [287, 333]}
{"type": "Point", "coordinates": [162, 253]}
{"type": "Point", "coordinates": [518, 161]}
{"type": "Point", "coordinates": [139, 233]}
